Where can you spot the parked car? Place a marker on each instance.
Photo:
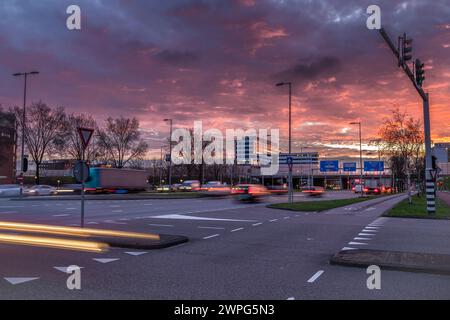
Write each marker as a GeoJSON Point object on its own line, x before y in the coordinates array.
{"type": "Point", "coordinates": [9, 190]}
{"type": "Point", "coordinates": [190, 185]}
{"type": "Point", "coordinates": [249, 192]}
{"type": "Point", "coordinates": [165, 188]}
{"type": "Point", "coordinates": [313, 191]}
{"type": "Point", "coordinates": [40, 190]}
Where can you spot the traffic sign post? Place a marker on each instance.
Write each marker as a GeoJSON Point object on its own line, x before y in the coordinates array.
{"type": "Point", "coordinates": [81, 169]}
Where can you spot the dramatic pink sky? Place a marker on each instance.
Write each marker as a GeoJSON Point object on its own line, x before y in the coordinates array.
{"type": "Point", "coordinates": [218, 61]}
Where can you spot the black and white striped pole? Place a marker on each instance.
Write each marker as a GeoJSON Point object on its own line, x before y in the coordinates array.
{"type": "Point", "coordinates": [430, 186]}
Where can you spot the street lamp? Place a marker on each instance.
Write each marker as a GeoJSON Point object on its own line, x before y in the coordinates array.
{"type": "Point", "coordinates": [290, 195]}
{"type": "Point", "coordinates": [25, 75]}
{"type": "Point", "coordinates": [360, 158]}
{"type": "Point", "coordinates": [170, 154]}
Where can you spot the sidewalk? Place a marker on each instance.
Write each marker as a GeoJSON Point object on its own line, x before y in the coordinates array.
{"type": "Point", "coordinates": [444, 196]}
{"type": "Point", "coordinates": [407, 244]}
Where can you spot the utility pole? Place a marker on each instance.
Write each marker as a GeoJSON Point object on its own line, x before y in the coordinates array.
{"type": "Point", "coordinates": [290, 186]}
{"type": "Point", "coordinates": [170, 154]}
{"type": "Point", "coordinates": [402, 53]}
{"type": "Point", "coordinates": [23, 163]}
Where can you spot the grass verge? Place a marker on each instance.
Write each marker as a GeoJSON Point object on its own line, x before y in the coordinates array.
{"type": "Point", "coordinates": [418, 209]}
{"type": "Point", "coordinates": [318, 205]}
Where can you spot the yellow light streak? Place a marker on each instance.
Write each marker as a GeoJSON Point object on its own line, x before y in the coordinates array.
{"type": "Point", "coordinates": [74, 231]}
{"type": "Point", "coordinates": [54, 243]}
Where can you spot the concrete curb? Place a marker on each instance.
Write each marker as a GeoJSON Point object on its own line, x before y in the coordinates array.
{"type": "Point", "coordinates": [394, 260]}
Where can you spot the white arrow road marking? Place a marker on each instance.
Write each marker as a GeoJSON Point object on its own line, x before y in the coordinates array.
{"type": "Point", "coordinates": [183, 217]}
{"type": "Point", "coordinates": [105, 260]}
{"type": "Point", "coordinates": [315, 276]}
{"type": "Point", "coordinates": [357, 243]}
{"type": "Point", "coordinates": [63, 269]}
{"type": "Point", "coordinates": [135, 253]}
{"type": "Point", "coordinates": [19, 280]}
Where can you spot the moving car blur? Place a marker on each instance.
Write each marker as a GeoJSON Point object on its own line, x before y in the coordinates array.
{"type": "Point", "coordinates": [40, 190]}
{"type": "Point", "coordinates": [313, 191]}
{"type": "Point", "coordinates": [249, 192]}
{"type": "Point", "coordinates": [189, 185]}
{"type": "Point", "coordinates": [215, 188]}
{"type": "Point", "coordinates": [8, 190]}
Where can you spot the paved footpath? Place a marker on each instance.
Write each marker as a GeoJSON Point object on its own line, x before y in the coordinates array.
{"type": "Point", "coordinates": [444, 196]}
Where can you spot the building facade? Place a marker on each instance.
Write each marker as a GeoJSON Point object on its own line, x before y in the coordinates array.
{"type": "Point", "coordinates": [7, 147]}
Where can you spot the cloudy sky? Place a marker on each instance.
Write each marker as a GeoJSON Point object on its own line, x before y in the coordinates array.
{"type": "Point", "coordinates": [218, 61]}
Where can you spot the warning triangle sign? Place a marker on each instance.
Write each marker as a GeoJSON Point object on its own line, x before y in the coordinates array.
{"type": "Point", "coordinates": [85, 135]}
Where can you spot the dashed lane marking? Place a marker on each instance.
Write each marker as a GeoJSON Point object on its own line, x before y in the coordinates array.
{"type": "Point", "coordinates": [211, 236]}
{"type": "Point", "coordinates": [213, 228]}
{"type": "Point", "coordinates": [238, 229]}
{"type": "Point", "coordinates": [352, 243]}
{"type": "Point", "coordinates": [273, 220]}
{"type": "Point", "coordinates": [315, 276]}
{"type": "Point", "coordinates": [257, 224]}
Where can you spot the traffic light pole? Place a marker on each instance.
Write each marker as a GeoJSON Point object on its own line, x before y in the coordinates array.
{"type": "Point", "coordinates": [429, 181]}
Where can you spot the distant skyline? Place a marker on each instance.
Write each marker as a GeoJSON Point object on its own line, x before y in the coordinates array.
{"type": "Point", "coordinates": [218, 61]}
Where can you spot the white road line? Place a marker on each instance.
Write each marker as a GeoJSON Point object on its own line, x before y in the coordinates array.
{"type": "Point", "coordinates": [8, 212]}
{"type": "Point", "coordinates": [117, 211]}
{"type": "Point", "coordinates": [369, 230]}
{"type": "Point", "coordinates": [357, 243]}
{"type": "Point", "coordinates": [373, 227]}
{"type": "Point", "coordinates": [365, 234]}
{"type": "Point", "coordinates": [71, 208]}
{"type": "Point", "coordinates": [358, 238]}
{"type": "Point", "coordinates": [290, 298]}
{"type": "Point", "coordinates": [286, 217]}
{"type": "Point", "coordinates": [238, 229]}
{"type": "Point", "coordinates": [161, 225]}
{"type": "Point", "coordinates": [347, 248]}
{"type": "Point", "coordinates": [212, 236]}
{"type": "Point", "coordinates": [257, 224]}
{"type": "Point", "coordinates": [213, 228]}
{"type": "Point", "coordinates": [273, 220]}
{"type": "Point", "coordinates": [61, 215]}
{"type": "Point", "coordinates": [115, 206]}
{"type": "Point", "coordinates": [315, 276]}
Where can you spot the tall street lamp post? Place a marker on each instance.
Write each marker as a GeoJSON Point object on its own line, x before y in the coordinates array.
{"type": "Point", "coordinates": [22, 167]}
{"type": "Point", "coordinates": [360, 159]}
{"type": "Point", "coordinates": [170, 154]}
{"type": "Point", "coordinates": [290, 195]}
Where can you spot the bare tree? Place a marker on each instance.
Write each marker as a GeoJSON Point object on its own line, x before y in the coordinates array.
{"type": "Point", "coordinates": [43, 130]}
{"type": "Point", "coordinates": [71, 144]}
{"type": "Point", "coordinates": [402, 141]}
{"type": "Point", "coordinates": [121, 141]}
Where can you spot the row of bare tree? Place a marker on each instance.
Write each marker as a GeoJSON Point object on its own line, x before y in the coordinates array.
{"type": "Point", "coordinates": [51, 132]}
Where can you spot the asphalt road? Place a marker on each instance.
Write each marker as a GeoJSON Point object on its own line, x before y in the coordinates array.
{"type": "Point", "coordinates": [236, 251]}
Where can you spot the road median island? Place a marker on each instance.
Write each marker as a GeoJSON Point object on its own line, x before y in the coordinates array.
{"type": "Point", "coordinates": [54, 236]}
{"type": "Point", "coordinates": [320, 205]}
{"type": "Point", "coordinates": [417, 209]}
{"type": "Point", "coordinates": [394, 260]}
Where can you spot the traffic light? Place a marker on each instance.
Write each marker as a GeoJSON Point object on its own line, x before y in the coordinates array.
{"type": "Point", "coordinates": [25, 164]}
{"type": "Point", "coordinates": [419, 72]}
{"type": "Point", "coordinates": [407, 49]}
{"type": "Point", "coordinates": [433, 162]}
